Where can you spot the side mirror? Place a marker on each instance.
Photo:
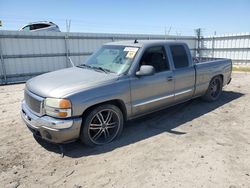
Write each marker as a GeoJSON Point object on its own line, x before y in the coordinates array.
{"type": "Point", "coordinates": [146, 70]}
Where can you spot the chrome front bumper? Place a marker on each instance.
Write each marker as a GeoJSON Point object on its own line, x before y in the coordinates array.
{"type": "Point", "coordinates": [49, 128]}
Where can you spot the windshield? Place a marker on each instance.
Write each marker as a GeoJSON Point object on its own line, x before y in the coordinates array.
{"type": "Point", "coordinates": [116, 59]}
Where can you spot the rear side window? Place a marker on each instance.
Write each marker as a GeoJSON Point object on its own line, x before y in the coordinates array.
{"type": "Point", "coordinates": [179, 55]}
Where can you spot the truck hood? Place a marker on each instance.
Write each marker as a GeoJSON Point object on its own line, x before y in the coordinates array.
{"type": "Point", "coordinates": [63, 82]}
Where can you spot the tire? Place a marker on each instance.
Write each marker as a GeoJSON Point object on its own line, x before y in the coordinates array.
{"type": "Point", "coordinates": [101, 125]}
{"type": "Point", "coordinates": [214, 89]}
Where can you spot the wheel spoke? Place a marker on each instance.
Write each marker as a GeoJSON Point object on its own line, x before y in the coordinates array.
{"type": "Point", "coordinates": [95, 125]}
{"type": "Point", "coordinates": [94, 128]}
{"type": "Point", "coordinates": [111, 125]}
{"type": "Point", "coordinates": [100, 117]}
{"type": "Point", "coordinates": [109, 117]}
{"type": "Point", "coordinates": [106, 133]}
{"type": "Point", "coordinates": [98, 134]}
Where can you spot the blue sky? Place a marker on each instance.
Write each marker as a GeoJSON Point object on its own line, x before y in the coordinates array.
{"type": "Point", "coordinates": [130, 16]}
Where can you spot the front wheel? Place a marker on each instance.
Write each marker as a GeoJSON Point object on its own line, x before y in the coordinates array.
{"type": "Point", "coordinates": [102, 125]}
{"type": "Point", "coordinates": [214, 89]}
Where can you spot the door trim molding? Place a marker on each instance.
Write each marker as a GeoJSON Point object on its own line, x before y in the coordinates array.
{"type": "Point", "coordinates": [183, 92]}
{"type": "Point", "coordinates": [162, 98]}
{"type": "Point", "coordinates": [154, 100]}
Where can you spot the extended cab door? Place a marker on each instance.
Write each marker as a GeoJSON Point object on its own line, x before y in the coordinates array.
{"type": "Point", "coordinates": [184, 72]}
{"type": "Point", "coordinates": [150, 93]}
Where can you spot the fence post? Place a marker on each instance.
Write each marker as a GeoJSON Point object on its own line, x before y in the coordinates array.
{"type": "Point", "coordinates": [2, 63]}
{"type": "Point", "coordinates": [248, 46]}
{"type": "Point", "coordinates": [198, 32]}
{"type": "Point", "coordinates": [213, 46]}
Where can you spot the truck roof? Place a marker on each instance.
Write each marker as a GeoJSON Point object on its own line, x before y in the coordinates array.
{"type": "Point", "coordinates": [141, 43]}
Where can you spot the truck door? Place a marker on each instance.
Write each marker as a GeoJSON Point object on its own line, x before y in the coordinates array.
{"type": "Point", "coordinates": [184, 72]}
{"type": "Point", "coordinates": [153, 92]}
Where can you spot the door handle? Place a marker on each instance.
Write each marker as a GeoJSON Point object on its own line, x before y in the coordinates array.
{"type": "Point", "coordinates": [170, 78]}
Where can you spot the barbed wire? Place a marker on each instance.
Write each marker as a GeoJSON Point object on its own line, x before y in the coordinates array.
{"type": "Point", "coordinates": [81, 25]}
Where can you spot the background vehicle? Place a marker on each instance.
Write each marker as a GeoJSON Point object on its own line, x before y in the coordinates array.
{"type": "Point", "coordinates": [121, 81]}
{"type": "Point", "coordinates": [41, 26]}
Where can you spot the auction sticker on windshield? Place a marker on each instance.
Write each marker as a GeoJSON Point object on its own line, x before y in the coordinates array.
{"type": "Point", "coordinates": [131, 52]}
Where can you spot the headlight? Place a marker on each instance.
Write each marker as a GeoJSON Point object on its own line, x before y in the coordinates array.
{"type": "Point", "coordinates": [57, 107]}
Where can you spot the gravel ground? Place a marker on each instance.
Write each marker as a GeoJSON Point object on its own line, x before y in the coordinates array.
{"type": "Point", "coordinates": [195, 144]}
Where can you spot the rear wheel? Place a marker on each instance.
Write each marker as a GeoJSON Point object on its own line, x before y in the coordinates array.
{"type": "Point", "coordinates": [102, 125]}
{"type": "Point", "coordinates": [214, 89]}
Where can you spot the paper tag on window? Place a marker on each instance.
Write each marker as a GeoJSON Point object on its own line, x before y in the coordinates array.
{"type": "Point", "coordinates": [131, 49]}
{"type": "Point", "coordinates": [131, 52]}
{"type": "Point", "coordinates": [130, 55]}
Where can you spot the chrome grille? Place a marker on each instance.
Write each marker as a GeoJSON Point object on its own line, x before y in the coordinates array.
{"type": "Point", "coordinates": [32, 102]}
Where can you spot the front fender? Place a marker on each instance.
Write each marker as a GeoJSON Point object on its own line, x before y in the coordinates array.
{"type": "Point", "coordinates": [118, 90]}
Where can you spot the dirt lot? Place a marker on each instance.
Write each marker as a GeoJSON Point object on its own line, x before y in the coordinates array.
{"type": "Point", "coordinates": [196, 144]}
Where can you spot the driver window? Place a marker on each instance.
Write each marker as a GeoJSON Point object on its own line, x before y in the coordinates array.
{"type": "Point", "coordinates": [156, 57]}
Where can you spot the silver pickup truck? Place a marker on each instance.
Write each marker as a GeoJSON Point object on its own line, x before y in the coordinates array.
{"type": "Point", "coordinates": [119, 82]}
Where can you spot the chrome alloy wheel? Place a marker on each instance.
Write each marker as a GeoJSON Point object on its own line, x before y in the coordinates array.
{"type": "Point", "coordinates": [104, 126]}
{"type": "Point", "coordinates": [215, 88]}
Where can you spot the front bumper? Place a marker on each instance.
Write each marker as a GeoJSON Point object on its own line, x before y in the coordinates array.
{"type": "Point", "coordinates": [49, 128]}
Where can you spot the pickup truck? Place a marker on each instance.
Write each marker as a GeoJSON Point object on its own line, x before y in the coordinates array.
{"type": "Point", "coordinates": [120, 81]}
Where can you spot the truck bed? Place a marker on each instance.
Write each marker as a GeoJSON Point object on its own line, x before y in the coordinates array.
{"type": "Point", "coordinates": [205, 59]}
{"type": "Point", "coordinates": [207, 68]}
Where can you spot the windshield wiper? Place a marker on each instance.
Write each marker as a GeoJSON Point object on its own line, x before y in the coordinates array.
{"type": "Point", "coordinates": [85, 65]}
{"type": "Point", "coordinates": [103, 69]}
{"type": "Point", "coordinates": [95, 68]}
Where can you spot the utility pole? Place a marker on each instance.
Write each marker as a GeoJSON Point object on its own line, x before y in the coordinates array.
{"type": "Point", "coordinates": [213, 40]}
{"type": "Point", "coordinates": [198, 34]}
{"type": "Point", "coordinates": [165, 33]}
{"type": "Point", "coordinates": [66, 38]}
{"type": "Point", "coordinates": [169, 29]}
{"type": "Point", "coordinates": [68, 24]}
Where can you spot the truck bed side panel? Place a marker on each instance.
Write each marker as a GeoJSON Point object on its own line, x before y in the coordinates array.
{"type": "Point", "coordinates": [207, 70]}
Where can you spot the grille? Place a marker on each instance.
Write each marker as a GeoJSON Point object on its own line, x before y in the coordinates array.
{"type": "Point", "coordinates": [33, 103]}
